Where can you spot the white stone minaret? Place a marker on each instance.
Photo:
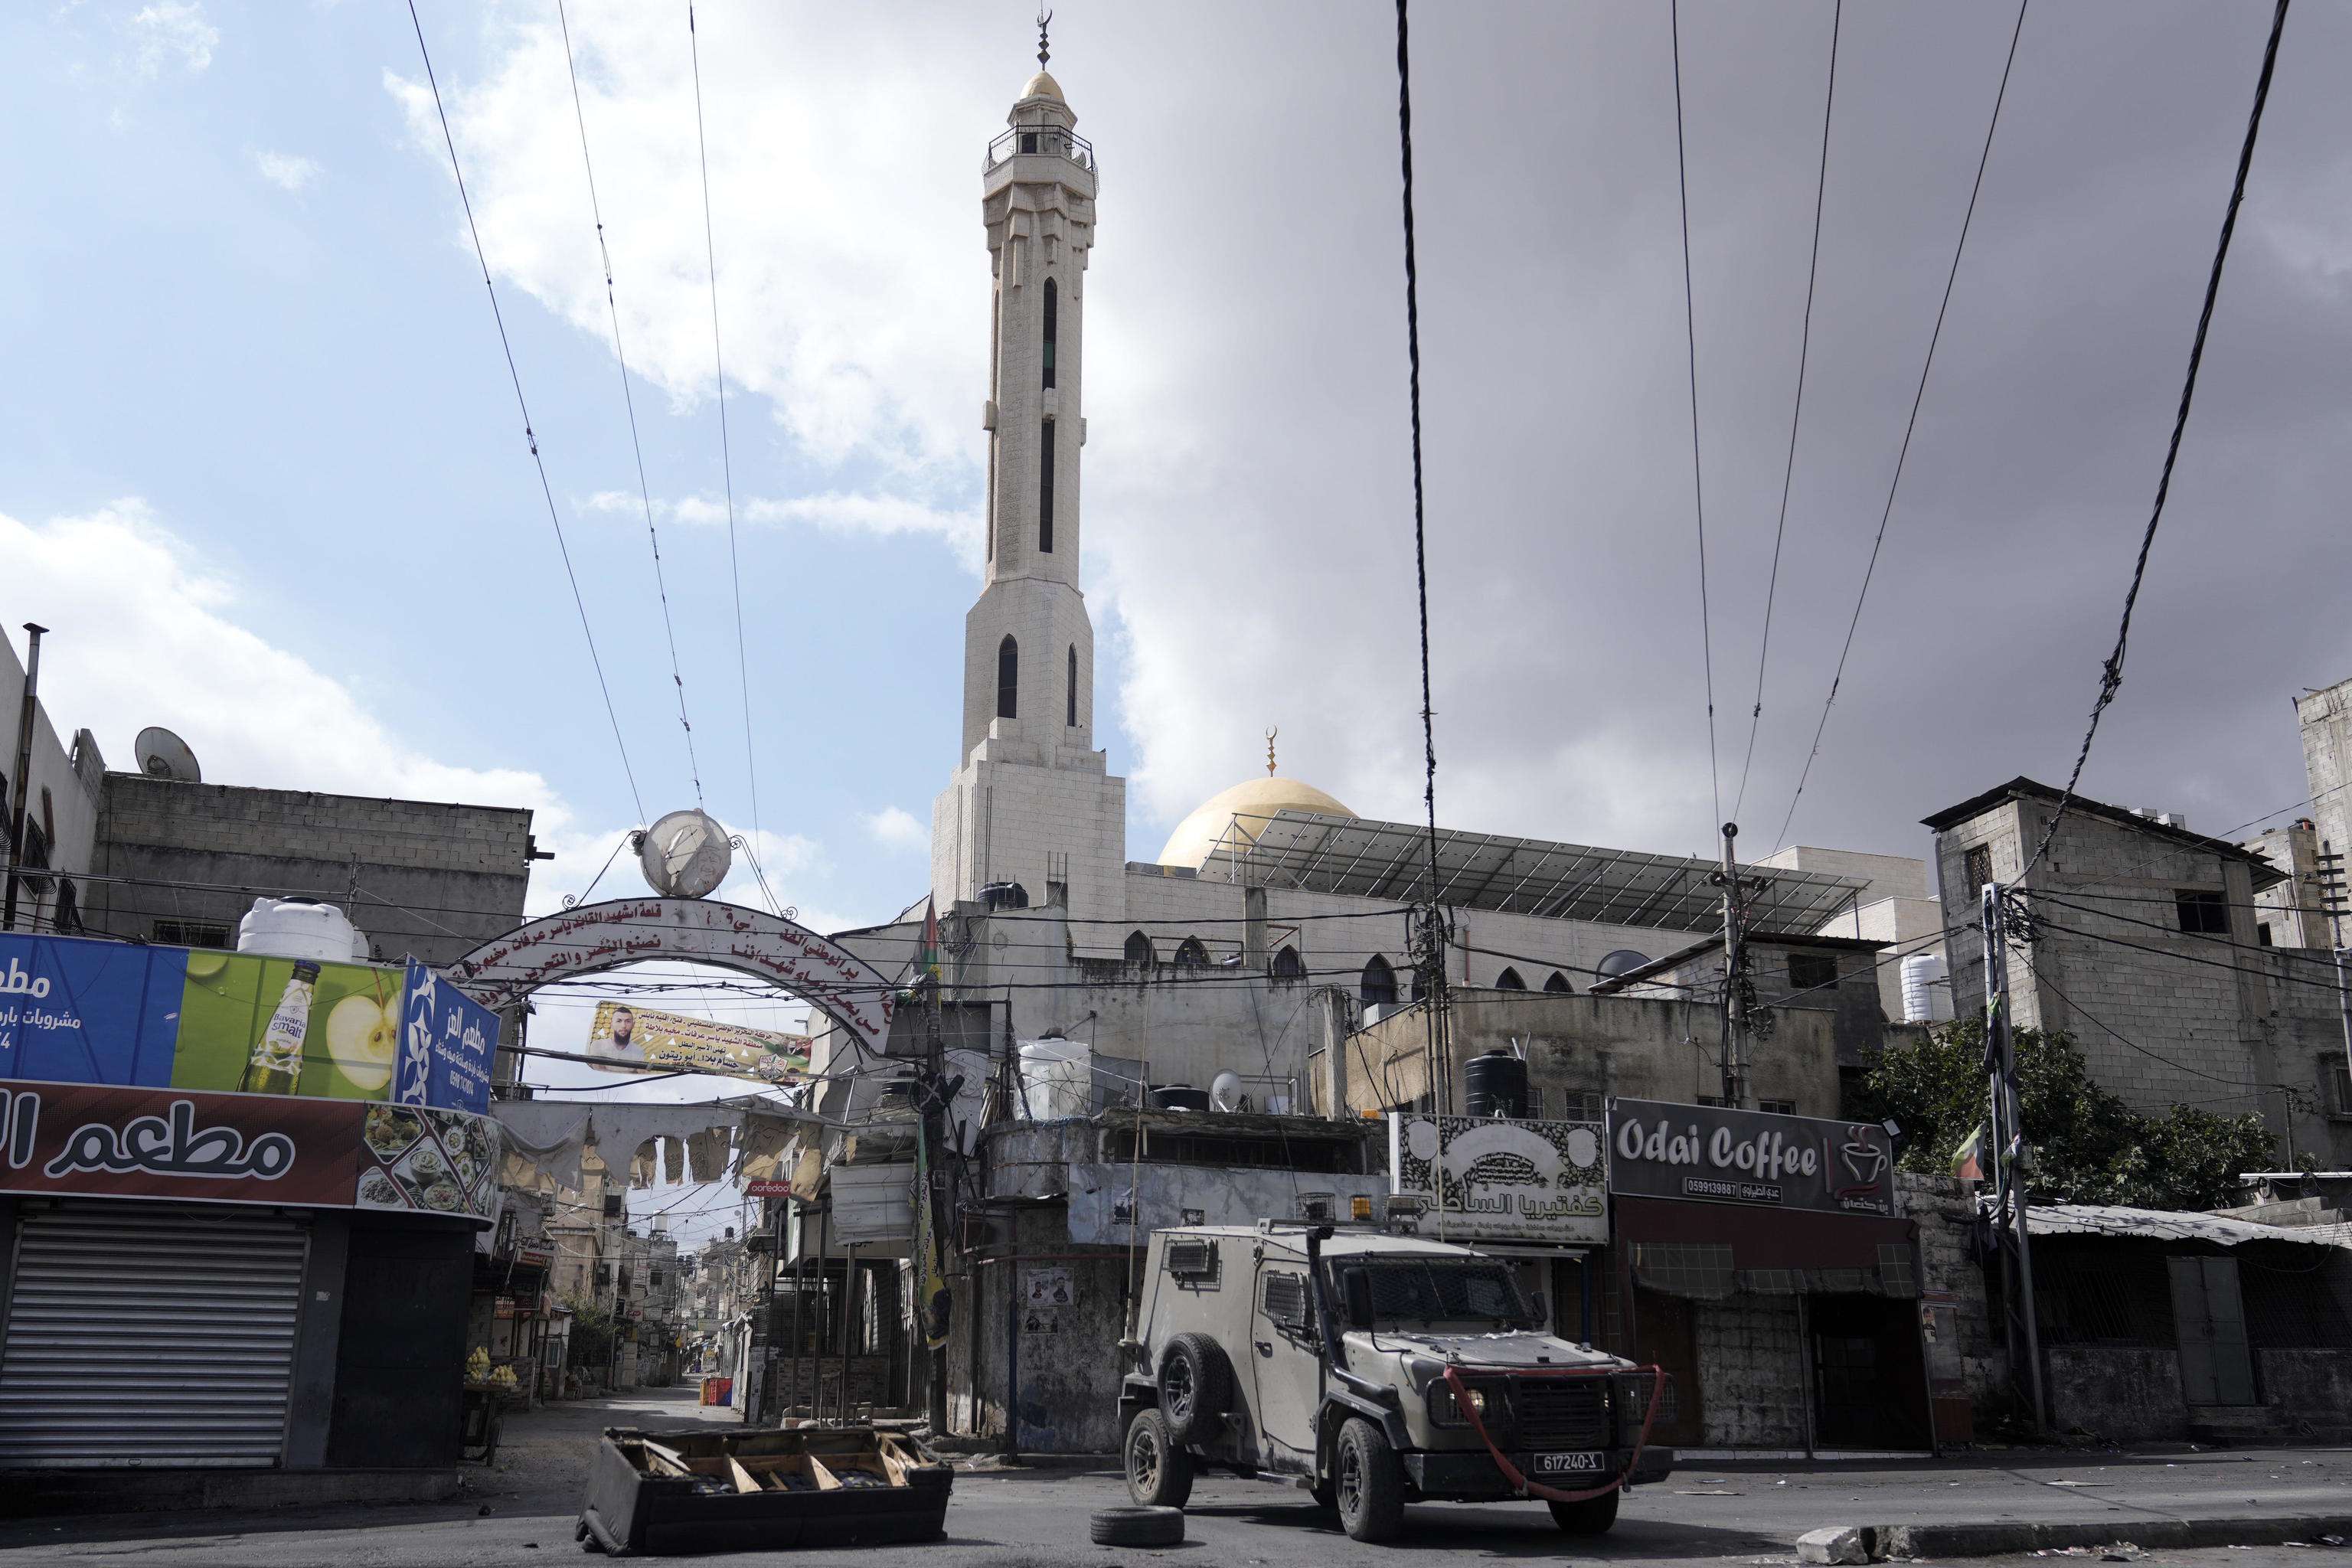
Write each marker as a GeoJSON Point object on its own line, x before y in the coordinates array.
{"type": "Point", "coordinates": [1031, 801]}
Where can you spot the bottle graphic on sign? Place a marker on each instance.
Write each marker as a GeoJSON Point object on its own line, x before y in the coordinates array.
{"type": "Point", "coordinates": [277, 1064]}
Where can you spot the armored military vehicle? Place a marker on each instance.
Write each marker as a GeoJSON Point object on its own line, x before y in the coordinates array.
{"type": "Point", "coordinates": [1376, 1369]}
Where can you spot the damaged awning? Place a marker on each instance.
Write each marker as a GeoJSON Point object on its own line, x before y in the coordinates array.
{"type": "Point", "coordinates": [2104, 1219]}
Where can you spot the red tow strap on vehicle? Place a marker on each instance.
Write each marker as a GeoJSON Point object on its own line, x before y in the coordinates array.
{"type": "Point", "coordinates": [1537, 1488]}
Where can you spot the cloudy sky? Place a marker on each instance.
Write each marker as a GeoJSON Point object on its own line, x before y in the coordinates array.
{"type": "Point", "coordinates": [262, 472]}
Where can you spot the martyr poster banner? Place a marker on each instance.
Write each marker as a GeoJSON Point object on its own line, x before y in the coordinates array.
{"type": "Point", "coordinates": [80, 1010]}
{"type": "Point", "coordinates": [95, 1140]}
{"type": "Point", "coordinates": [640, 1038]}
{"type": "Point", "coordinates": [1712, 1153]}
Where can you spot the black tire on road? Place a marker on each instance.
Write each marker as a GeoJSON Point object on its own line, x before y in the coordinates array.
{"type": "Point", "coordinates": [1159, 1471]}
{"type": "Point", "coordinates": [1593, 1516]}
{"type": "Point", "coordinates": [1136, 1527]}
{"type": "Point", "coordinates": [1196, 1387]}
{"type": "Point", "coordinates": [1368, 1483]}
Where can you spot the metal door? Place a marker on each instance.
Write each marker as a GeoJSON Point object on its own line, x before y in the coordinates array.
{"type": "Point", "coordinates": [140, 1334]}
{"type": "Point", "coordinates": [2209, 1318]}
{"type": "Point", "coordinates": [1285, 1363]}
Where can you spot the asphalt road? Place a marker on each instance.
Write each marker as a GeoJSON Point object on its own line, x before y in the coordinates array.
{"type": "Point", "coordinates": [1037, 1519]}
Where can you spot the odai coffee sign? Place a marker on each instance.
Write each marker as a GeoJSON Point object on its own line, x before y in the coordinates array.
{"type": "Point", "coordinates": [1716, 1154]}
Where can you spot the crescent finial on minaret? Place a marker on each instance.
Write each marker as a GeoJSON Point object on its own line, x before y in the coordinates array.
{"type": "Point", "coordinates": [1271, 732]}
{"type": "Point", "coordinates": [1043, 51]}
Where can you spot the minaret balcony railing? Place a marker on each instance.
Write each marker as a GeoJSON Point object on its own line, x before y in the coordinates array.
{"type": "Point", "coordinates": [1047, 141]}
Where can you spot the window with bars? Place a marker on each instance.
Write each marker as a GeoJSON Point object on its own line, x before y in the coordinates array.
{"type": "Point", "coordinates": [1812, 971]}
{"type": "Point", "coordinates": [1977, 870]}
{"type": "Point", "coordinates": [2202, 913]}
{"type": "Point", "coordinates": [192, 933]}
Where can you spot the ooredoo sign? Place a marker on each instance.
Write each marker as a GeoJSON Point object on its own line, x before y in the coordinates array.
{"type": "Point", "coordinates": [1716, 1154]}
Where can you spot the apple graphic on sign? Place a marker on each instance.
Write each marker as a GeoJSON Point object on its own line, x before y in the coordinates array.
{"type": "Point", "coordinates": [361, 1034]}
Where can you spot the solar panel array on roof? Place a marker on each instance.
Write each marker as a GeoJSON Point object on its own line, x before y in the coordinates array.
{"type": "Point", "coordinates": [1390, 861]}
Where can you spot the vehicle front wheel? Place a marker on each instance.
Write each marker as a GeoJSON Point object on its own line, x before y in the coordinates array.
{"type": "Point", "coordinates": [1368, 1483]}
{"type": "Point", "coordinates": [1159, 1471]}
{"type": "Point", "coordinates": [1326, 1495]}
{"type": "Point", "coordinates": [1593, 1516]}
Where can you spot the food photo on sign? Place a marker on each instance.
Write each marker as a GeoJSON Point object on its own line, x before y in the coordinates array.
{"type": "Point", "coordinates": [630, 1036]}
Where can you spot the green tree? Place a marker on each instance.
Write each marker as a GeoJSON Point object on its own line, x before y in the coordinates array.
{"type": "Point", "coordinates": [592, 1334]}
{"type": "Point", "coordinates": [2091, 1147]}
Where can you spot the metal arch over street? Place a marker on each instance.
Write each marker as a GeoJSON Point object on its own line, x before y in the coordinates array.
{"type": "Point", "coordinates": [597, 937]}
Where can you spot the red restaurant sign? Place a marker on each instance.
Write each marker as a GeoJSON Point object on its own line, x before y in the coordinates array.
{"type": "Point", "coordinates": [103, 1141]}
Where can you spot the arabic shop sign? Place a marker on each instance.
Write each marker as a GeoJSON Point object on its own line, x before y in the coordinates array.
{"type": "Point", "coordinates": [1495, 1179]}
{"type": "Point", "coordinates": [446, 1040]}
{"type": "Point", "coordinates": [1715, 1154]}
{"type": "Point", "coordinates": [97, 1140]}
{"type": "Point", "coordinates": [78, 1010]}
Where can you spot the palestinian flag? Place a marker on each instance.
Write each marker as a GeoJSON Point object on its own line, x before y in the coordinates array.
{"type": "Point", "coordinates": [1968, 1160]}
{"type": "Point", "coordinates": [927, 956]}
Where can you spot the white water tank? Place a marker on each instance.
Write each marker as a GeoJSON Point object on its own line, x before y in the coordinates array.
{"type": "Point", "coordinates": [1058, 1081]}
{"type": "Point", "coordinates": [1927, 989]}
{"type": "Point", "coordinates": [301, 928]}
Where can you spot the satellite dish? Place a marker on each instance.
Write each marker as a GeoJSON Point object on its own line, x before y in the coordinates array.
{"type": "Point", "coordinates": [163, 755]}
{"type": "Point", "coordinates": [1226, 1091]}
{"type": "Point", "coordinates": [684, 855]}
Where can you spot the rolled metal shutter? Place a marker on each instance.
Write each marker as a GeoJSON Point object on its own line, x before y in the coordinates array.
{"type": "Point", "coordinates": [139, 1334]}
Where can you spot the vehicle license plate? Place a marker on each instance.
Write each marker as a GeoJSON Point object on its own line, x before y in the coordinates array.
{"type": "Point", "coordinates": [1554, 1464]}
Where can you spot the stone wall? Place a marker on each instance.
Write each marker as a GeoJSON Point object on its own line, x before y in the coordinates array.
{"type": "Point", "coordinates": [1751, 1368]}
{"type": "Point", "coordinates": [433, 880]}
{"type": "Point", "coordinates": [2126, 1393]}
{"type": "Point", "coordinates": [2312, 1386]}
{"type": "Point", "coordinates": [1945, 1211]}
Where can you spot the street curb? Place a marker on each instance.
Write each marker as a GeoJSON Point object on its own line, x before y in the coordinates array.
{"type": "Point", "coordinates": [997, 1464]}
{"type": "Point", "coordinates": [2010, 1536]}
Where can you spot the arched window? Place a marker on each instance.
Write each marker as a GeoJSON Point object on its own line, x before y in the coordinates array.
{"type": "Point", "coordinates": [1509, 981]}
{"type": "Point", "coordinates": [1139, 948]}
{"type": "Point", "coordinates": [1071, 716]}
{"type": "Point", "coordinates": [1289, 965]}
{"type": "Point", "coordinates": [1008, 679]}
{"type": "Point", "coordinates": [1379, 984]}
{"type": "Point", "coordinates": [1190, 954]}
{"type": "Point", "coordinates": [1052, 324]}
{"type": "Point", "coordinates": [1557, 985]}
{"type": "Point", "coordinates": [1046, 488]}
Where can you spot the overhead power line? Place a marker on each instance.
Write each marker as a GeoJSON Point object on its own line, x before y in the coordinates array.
{"type": "Point", "coordinates": [2111, 674]}
{"type": "Point", "coordinates": [529, 435]}
{"type": "Point", "coordinates": [1698, 482]}
{"type": "Point", "coordinates": [1909, 427]}
{"type": "Point", "coordinates": [1797, 415]}
{"type": "Point", "coordinates": [726, 457]}
{"type": "Point", "coordinates": [629, 401]}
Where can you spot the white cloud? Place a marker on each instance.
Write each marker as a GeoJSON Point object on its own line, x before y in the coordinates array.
{"type": "Point", "coordinates": [286, 170]}
{"type": "Point", "coordinates": [173, 27]}
{"type": "Point", "coordinates": [893, 829]}
{"type": "Point", "coordinates": [836, 512]}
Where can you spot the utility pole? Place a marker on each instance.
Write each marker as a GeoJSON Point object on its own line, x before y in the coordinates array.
{"type": "Point", "coordinates": [1738, 992]}
{"type": "Point", "coordinates": [21, 782]}
{"type": "Point", "coordinates": [2020, 1332]}
{"type": "Point", "coordinates": [2344, 1006]}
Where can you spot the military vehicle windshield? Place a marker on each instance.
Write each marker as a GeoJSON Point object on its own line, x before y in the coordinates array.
{"type": "Point", "coordinates": [1423, 1292]}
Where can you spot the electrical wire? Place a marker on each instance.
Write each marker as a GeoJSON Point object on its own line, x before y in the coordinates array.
{"type": "Point", "coordinates": [1698, 484]}
{"type": "Point", "coordinates": [629, 401]}
{"type": "Point", "coordinates": [2111, 674]}
{"type": "Point", "coordinates": [726, 456]}
{"type": "Point", "coordinates": [1910, 426]}
{"type": "Point", "coordinates": [529, 435]}
{"type": "Point", "coordinates": [1797, 414]}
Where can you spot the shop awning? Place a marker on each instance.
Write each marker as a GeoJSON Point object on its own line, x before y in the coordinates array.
{"type": "Point", "coordinates": [2102, 1219]}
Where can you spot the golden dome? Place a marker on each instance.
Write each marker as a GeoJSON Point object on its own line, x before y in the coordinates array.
{"type": "Point", "coordinates": [1044, 86]}
{"type": "Point", "coordinates": [1236, 817]}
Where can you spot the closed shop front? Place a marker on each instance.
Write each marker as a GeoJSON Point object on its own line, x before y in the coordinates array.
{"type": "Point", "coordinates": [149, 1334]}
{"type": "Point", "coordinates": [1762, 1263]}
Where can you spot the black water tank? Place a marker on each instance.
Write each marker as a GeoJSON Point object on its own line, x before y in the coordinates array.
{"type": "Point", "coordinates": [1495, 1084]}
{"type": "Point", "coordinates": [1178, 1097]}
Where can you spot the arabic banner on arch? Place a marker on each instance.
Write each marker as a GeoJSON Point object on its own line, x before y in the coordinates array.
{"type": "Point", "coordinates": [96, 1141]}
{"type": "Point", "coordinates": [81, 1010]}
{"type": "Point", "coordinates": [639, 1036]}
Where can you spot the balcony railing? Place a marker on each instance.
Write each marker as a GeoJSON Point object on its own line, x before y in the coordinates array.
{"type": "Point", "coordinates": [1049, 140]}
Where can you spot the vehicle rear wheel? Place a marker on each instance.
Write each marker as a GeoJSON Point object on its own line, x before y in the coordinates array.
{"type": "Point", "coordinates": [1593, 1516]}
{"type": "Point", "coordinates": [1196, 1386]}
{"type": "Point", "coordinates": [1368, 1483]}
{"type": "Point", "coordinates": [1159, 1471]}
